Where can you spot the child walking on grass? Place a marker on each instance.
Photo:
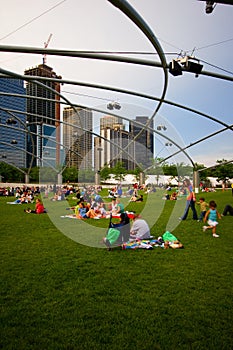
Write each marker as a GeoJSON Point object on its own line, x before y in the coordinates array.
{"type": "Point", "coordinates": [203, 208]}
{"type": "Point", "coordinates": [211, 217]}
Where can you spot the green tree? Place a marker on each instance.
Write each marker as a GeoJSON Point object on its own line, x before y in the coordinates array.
{"type": "Point", "coordinates": [170, 169]}
{"type": "Point", "coordinates": [86, 176]}
{"type": "Point", "coordinates": [223, 171]}
{"type": "Point", "coordinates": [105, 173]}
{"type": "Point", "coordinates": [34, 174]}
{"type": "Point", "coordinates": [10, 173]}
{"type": "Point", "coordinates": [119, 171]}
{"type": "Point", "coordinates": [47, 174]}
{"type": "Point", "coordinates": [70, 174]}
{"type": "Point", "coordinates": [203, 174]}
{"type": "Point", "coordinates": [137, 172]}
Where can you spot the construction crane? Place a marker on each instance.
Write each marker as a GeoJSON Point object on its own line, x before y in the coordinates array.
{"type": "Point", "coordinates": [45, 46]}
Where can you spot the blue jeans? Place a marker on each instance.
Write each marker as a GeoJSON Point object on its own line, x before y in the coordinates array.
{"type": "Point", "coordinates": [189, 204]}
{"type": "Point", "coordinates": [202, 215]}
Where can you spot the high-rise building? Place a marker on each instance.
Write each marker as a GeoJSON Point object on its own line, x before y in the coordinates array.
{"type": "Point", "coordinates": [13, 128]}
{"type": "Point", "coordinates": [144, 142]}
{"type": "Point", "coordinates": [77, 137]}
{"type": "Point", "coordinates": [114, 144]}
{"type": "Point", "coordinates": [44, 117]}
{"type": "Point", "coordinates": [112, 122]}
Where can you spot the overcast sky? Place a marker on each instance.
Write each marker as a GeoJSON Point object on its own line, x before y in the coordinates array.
{"type": "Point", "coordinates": [96, 25]}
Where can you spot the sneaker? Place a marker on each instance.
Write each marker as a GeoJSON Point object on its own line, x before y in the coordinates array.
{"type": "Point", "coordinates": [204, 228]}
{"type": "Point", "coordinates": [214, 235]}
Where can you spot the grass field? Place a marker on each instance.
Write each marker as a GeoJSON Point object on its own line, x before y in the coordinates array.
{"type": "Point", "coordinates": [59, 294]}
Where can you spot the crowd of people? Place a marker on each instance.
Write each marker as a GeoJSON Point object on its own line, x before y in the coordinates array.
{"type": "Point", "coordinates": [96, 208]}
{"type": "Point", "coordinates": [90, 204]}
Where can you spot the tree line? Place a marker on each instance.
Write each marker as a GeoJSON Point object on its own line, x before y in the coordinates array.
{"type": "Point", "coordinates": [222, 171]}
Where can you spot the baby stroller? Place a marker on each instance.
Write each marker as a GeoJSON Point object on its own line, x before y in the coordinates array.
{"type": "Point", "coordinates": [118, 233]}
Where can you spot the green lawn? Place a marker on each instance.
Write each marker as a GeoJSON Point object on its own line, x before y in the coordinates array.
{"type": "Point", "coordinates": [59, 294]}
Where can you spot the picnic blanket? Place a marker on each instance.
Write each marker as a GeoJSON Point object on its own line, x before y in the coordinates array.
{"type": "Point", "coordinates": [168, 240]}
{"type": "Point", "coordinates": [117, 216]}
{"type": "Point", "coordinates": [142, 244]}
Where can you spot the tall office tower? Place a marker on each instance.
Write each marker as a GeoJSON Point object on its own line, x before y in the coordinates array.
{"type": "Point", "coordinates": [44, 117]}
{"type": "Point", "coordinates": [109, 148]}
{"type": "Point", "coordinates": [109, 121]}
{"type": "Point", "coordinates": [13, 128]}
{"type": "Point", "coordinates": [144, 144]}
{"type": "Point", "coordinates": [77, 137]}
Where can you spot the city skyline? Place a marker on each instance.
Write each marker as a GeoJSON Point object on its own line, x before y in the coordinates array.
{"type": "Point", "coordinates": [185, 29]}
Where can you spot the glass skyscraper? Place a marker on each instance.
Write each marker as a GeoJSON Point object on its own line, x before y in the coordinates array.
{"type": "Point", "coordinates": [144, 143]}
{"type": "Point", "coordinates": [12, 122]}
{"type": "Point", "coordinates": [43, 117]}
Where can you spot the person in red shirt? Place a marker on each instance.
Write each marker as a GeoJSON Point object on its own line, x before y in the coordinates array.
{"type": "Point", "coordinates": [39, 209]}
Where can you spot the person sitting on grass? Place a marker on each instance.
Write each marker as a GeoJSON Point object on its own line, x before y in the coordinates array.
{"type": "Point", "coordinates": [85, 212]}
{"type": "Point", "coordinates": [39, 209]}
{"type": "Point", "coordinates": [81, 211]}
{"type": "Point", "coordinates": [136, 198]}
{"type": "Point", "coordinates": [173, 196]}
{"type": "Point", "coordinates": [117, 207]}
{"type": "Point", "coordinates": [140, 229]}
{"type": "Point", "coordinates": [211, 217]}
{"type": "Point", "coordinates": [140, 198]}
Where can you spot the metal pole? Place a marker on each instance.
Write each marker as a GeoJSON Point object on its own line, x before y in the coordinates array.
{"type": "Point", "coordinates": [97, 178]}
{"type": "Point", "coordinates": [59, 179]}
{"type": "Point", "coordinates": [26, 178]}
{"type": "Point", "coordinates": [196, 181]}
{"type": "Point", "coordinates": [141, 178]}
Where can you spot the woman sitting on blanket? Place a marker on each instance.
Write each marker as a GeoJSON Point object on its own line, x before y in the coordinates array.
{"type": "Point", "coordinates": [140, 229]}
{"type": "Point", "coordinates": [117, 207]}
